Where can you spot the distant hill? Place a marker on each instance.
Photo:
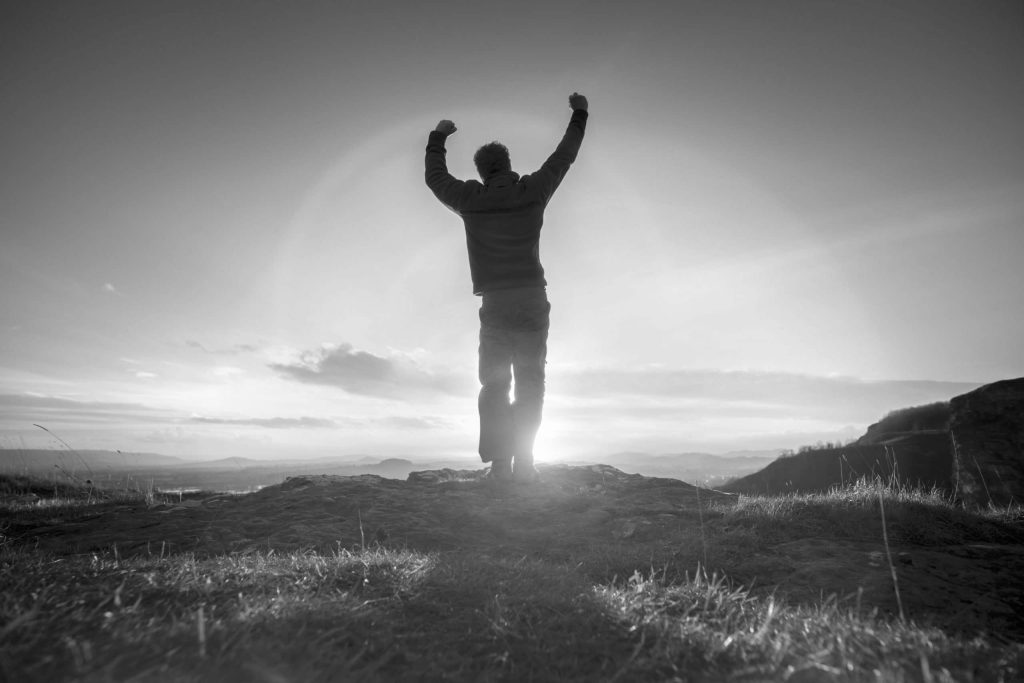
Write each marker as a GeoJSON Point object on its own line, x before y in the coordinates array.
{"type": "Point", "coordinates": [971, 447]}
{"type": "Point", "coordinates": [113, 468]}
{"type": "Point", "coordinates": [232, 462]}
{"type": "Point", "coordinates": [703, 468]}
{"type": "Point", "coordinates": [240, 472]}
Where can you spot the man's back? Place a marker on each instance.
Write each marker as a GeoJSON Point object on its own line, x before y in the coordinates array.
{"type": "Point", "coordinates": [503, 216]}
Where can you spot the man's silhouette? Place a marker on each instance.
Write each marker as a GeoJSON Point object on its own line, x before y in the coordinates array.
{"type": "Point", "coordinates": [503, 218]}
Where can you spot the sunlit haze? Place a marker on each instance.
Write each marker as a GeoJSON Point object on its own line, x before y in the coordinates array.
{"type": "Point", "coordinates": [786, 219]}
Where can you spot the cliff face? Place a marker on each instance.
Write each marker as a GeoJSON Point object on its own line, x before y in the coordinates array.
{"type": "Point", "coordinates": [987, 430]}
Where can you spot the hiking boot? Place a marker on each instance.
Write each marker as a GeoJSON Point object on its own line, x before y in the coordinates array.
{"type": "Point", "coordinates": [526, 474]}
{"type": "Point", "coordinates": [501, 470]}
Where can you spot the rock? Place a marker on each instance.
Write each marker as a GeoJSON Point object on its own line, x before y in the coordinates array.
{"type": "Point", "coordinates": [987, 428]}
{"type": "Point", "coordinates": [445, 474]}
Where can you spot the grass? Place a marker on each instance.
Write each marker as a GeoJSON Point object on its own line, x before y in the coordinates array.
{"type": "Point", "coordinates": [706, 629]}
{"type": "Point", "coordinates": [25, 493]}
{"type": "Point", "coordinates": [914, 516]}
{"type": "Point", "coordinates": [393, 614]}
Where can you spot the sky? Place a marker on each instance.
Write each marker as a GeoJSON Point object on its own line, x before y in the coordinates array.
{"type": "Point", "coordinates": [786, 220]}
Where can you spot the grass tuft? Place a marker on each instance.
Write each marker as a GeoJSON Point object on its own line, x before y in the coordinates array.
{"type": "Point", "coordinates": [706, 625]}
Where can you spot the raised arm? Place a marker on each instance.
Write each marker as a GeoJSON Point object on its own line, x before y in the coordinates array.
{"type": "Point", "coordinates": [557, 165]}
{"type": "Point", "coordinates": [443, 184]}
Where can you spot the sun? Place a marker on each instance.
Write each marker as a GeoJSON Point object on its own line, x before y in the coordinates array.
{"type": "Point", "coordinates": [554, 441]}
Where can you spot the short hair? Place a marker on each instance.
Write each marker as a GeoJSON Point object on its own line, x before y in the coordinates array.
{"type": "Point", "coordinates": [492, 158]}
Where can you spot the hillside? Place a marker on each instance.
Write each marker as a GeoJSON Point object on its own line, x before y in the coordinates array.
{"type": "Point", "coordinates": [590, 575]}
{"type": "Point", "coordinates": [970, 448]}
{"type": "Point", "coordinates": [933, 417]}
{"type": "Point", "coordinates": [915, 460]}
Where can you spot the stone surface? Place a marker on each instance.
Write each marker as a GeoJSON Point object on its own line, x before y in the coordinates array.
{"type": "Point", "coordinates": [987, 428]}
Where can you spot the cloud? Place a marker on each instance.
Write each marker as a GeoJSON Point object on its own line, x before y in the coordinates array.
{"type": "Point", "coordinates": [22, 411]}
{"type": "Point", "coordinates": [403, 423]}
{"type": "Point", "coordinates": [271, 423]}
{"type": "Point", "coordinates": [656, 391]}
{"type": "Point", "coordinates": [596, 410]}
{"type": "Point", "coordinates": [366, 374]}
{"type": "Point", "coordinates": [171, 436]}
{"type": "Point", "coordinates": [233, 350]}
{"type": "Point", "coordinates": [109, 288]}
{"type": "Point", "coordinates": [389, 423]}
{"type": "Point", "coordinates": [32, 408]}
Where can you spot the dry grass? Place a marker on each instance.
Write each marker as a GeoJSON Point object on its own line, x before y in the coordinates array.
{"type": "Point", "coordinates": [706, 629]}
{"type": "Point", "coordinates": [391, 614]}
{"type": "Point", "coordinates": [853, 511]}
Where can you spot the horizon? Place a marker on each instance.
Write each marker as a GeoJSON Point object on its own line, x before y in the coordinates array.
{"type": "Point", "coordinates": [371, 459]}
{"type": "Point", "coordinates": [785, 221]}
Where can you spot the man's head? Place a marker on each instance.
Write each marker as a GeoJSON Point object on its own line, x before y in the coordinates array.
{"type": "Point", "coordinates": [492, 158]}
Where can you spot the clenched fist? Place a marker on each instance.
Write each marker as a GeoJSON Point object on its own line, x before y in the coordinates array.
{"type": "Point", "coordinates": [577, 101]}
{"type": "Point", "coordinates": [445, 126]}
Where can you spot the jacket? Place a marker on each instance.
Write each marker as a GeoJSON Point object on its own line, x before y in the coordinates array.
{"type": "Point", "coordinates": [503, 215]}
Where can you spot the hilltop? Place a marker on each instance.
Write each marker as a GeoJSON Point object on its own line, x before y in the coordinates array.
{"type": "Point", "coordinates": [591, 575]}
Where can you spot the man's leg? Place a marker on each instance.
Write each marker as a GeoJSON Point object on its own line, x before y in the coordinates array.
{"type": "Point", "coordinates": [495, 370]}
{"type": "Point", "coordinates": [528, 361]}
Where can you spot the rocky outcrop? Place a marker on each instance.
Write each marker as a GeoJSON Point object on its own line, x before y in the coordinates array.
{"type": "Point", "coordinates": [987, 429]}
{"type": "Point", "coordinates": [971, 448]}
{"type": "Point", "coordinates": [433, 510]}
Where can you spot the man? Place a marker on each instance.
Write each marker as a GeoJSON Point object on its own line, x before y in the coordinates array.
{"type": "Point", "coordinates": [503, 216]}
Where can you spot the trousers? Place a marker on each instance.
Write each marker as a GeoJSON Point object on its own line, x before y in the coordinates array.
{"type": "Point", "coordinates": [513, 346]}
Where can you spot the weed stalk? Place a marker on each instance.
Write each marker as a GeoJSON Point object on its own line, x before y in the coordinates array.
{"type": "Point", "coordinates": [888, 551]}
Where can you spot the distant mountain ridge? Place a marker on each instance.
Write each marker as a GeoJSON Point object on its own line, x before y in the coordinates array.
{"type": "Point", "coordinates": [169, 473]}
{"type": "Point", "coordinates": [703, 468]}
{"type": "Point", "coordinates": [234, 473]}
{"type": "Point", "coordinates": [45, 459]}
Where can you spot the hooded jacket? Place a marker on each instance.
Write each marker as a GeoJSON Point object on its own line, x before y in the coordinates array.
{"type": "Point", "coordinates": [503, 215]}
